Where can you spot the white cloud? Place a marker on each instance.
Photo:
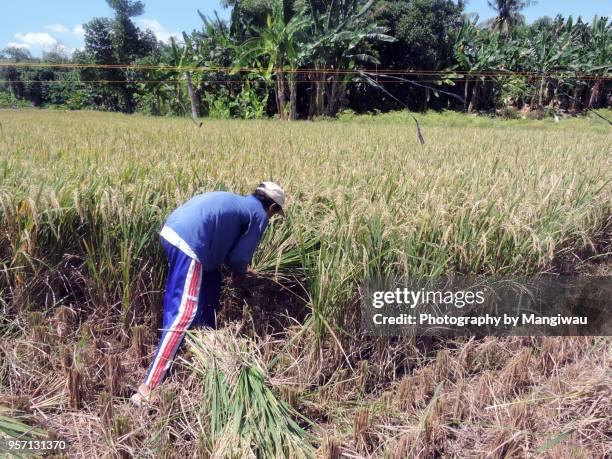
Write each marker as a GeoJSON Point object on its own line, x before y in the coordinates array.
{"type": "Point", "coordinates": [44, 42]}
{"type": "Point", "coordinates": [59, 28]}
{"type": "Point", "coordinates": [12, 44]}
{"type": "Point", "coordinates": [159, 30]}
{"type": "Point", "coordinates": [78, 30]}
{"type": "Point", "coordinates": [63, 49]}
{"type": "Point", "coordinates": [42, 39]}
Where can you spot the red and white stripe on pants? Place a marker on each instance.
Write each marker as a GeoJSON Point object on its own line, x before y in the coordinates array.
{"type": "Point", "coordinates": [174, 335]}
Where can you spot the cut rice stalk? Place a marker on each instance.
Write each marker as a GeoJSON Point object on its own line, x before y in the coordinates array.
{"type": "Point", "coordinates": [14, 428]}
{"type": "Point", "coordinates": [245, 417]}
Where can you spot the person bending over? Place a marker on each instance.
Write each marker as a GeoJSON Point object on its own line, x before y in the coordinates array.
{"type": "Point", "coordinates": [209, 230]}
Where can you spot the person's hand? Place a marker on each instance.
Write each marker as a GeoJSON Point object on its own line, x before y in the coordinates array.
{"type": "Point", "coordinates": [239, 283]}
{"type": "Point", "coordinates": [239, 278]}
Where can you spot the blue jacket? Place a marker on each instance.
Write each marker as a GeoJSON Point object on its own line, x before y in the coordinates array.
{"type": "Point", "coordinates": [220, 227]}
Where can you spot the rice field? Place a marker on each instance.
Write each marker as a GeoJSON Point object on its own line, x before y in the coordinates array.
{"type": "Point", "coordinates": [84, 194]}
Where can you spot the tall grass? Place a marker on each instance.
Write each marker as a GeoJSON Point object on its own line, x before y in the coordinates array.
{"type": "Point", "coordinates": [83, 196]}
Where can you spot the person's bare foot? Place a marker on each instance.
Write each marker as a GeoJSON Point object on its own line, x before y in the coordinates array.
{"type": "Point", "coordinates": [141, 396]}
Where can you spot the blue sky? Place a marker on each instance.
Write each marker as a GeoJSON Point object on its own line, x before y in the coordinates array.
{"type": "Point", "coordinates": [42, 24]}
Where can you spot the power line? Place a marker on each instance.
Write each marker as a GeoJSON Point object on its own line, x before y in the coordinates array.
{"type": "Point", "coordinates": [182, 81]}
{"type": "Point", "coordinates": [83, 82]}
{"type": "Point", "coordinates": [221, 69]}
{"type": "Point", "coordinates": [465, 78]}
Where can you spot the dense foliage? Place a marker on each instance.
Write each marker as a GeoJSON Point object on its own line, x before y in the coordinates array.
{"type": "Point", "coordinates": [308, 58]}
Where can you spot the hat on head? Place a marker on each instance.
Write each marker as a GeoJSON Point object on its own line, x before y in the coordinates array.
{"type": "Point", "coordinates": [273, 191]}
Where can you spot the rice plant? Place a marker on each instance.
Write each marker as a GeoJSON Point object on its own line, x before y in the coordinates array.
{"type": "Point", "coordinates": [14, 428]}
{"type": "Point", "coordinates": [244, 416]}
{"type": "Point", "coordinates": [83, 196]}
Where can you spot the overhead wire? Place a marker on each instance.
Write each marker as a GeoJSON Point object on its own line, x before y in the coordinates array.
{"type": "Point", "coordinates": [371, 76]}
{"type": "Point", "coordinates": [339, 71]}
{"type": "Point", "coordinates": [227, 81]}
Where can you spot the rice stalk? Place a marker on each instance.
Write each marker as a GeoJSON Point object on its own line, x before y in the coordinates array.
{"type": "Point", "coordinates": [244, 416]}
{"type": "Point", "coordinates": [13, 427]}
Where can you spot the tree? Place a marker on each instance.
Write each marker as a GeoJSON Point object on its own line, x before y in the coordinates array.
{"type": "Point", "coordinates": [508, 14]}
{"type": "Point", "coordinates": [215, 50]}
{"type": "Point", "coordinates": [56, 55]}
{"type": "Point", "coordinates": [184, 60]}
{"type": "Point", "coordinates": [326, 37]}
{"type": "Point", "coordinates": [112, 42]}
{"type": "Point", "coordinates": [340, 39]}
{"type": "Point", "coordinates": [247, 14]}
{"type": "Point", "coordinates": [599, 55]}
{"type": "Point", "coordinates": [477, 51]}
{"type": "Point", "coordinates": [281, 43]}
{"type": "Point", "coordinates": [99, 50]}
{"type": "Point", "coordinates": [424, 32]}
{"type": "Point", "coordinates": [544, 22]}
{"type": "Point", "coordinates": [126, 37]}
{"type": "Point", "coordinates": [13, 75]}
{"type": "Point", "coordinates": [15, 54]}
{"type": "Point", "coordinates": [546, 51]}
{"type": "Point", "coordinates": [160, 92]}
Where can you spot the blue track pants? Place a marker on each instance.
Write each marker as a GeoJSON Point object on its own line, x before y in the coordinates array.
{"type": "Point", "coordinates": [191, 299]}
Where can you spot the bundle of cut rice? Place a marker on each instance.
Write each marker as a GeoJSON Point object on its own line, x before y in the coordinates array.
{"type": "Point", "coordinates": [245, 418]}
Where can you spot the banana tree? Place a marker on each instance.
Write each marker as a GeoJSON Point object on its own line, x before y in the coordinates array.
{"type": "Point", "coordinates": [162, 80]}
{"type": "Point", "coordinates": [165, 76]}
{"type": "Point", "coordinates": [151, 91]}
{"type": "Point", "coordinates": [215, 51]}
{"type": "Point", "coordinates": [278, 50]}
{"type": "Point", "coordinates": [339, 38]}
{"type": "Point", "coordinates": [545, 52]}
{"type": "Point", "coordinates": [186, 61]}
{"type": "Point", "coordinates": [478, 51]}
{"type": "Point", "coordinates": [599, 52]}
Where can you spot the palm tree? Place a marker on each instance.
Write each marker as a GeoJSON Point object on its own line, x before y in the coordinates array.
{"type": "Point", "coordinates": [508, 13]}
